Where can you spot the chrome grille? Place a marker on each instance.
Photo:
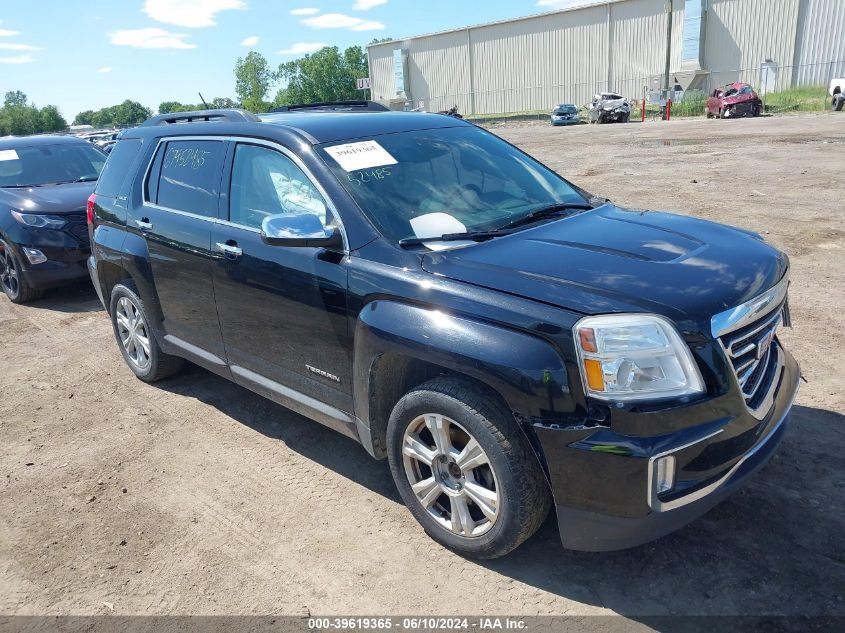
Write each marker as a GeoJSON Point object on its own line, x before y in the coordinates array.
{"type": "Point", "coordinates": [756, 358]}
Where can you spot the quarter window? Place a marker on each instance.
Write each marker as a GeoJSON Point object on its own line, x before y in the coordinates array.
{"type": "Point", "coordinates": [266, 182]}
{"type": "Point", "coordinates": [190, 176]}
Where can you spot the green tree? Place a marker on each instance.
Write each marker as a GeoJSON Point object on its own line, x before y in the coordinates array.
{"type": "Point", "coordinates": [253, 79]}
{"type": "Point", "coordinates": [84, 118]}
{"type": "Point", "coordinates": [15, 98]}
{"type": "Point", "coordinates": [52, 120]}
{"type": "Point", "coordinates": [219, 103]}
{"type": "Point", "coordinates": [327, 75]}
{"type": "Point", "coordinates": [166, 107]}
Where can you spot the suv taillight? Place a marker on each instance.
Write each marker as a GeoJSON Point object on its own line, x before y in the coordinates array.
{"type": "Point", "coordinates": [89, 209]}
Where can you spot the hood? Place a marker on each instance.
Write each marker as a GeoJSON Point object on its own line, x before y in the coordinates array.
{"type": "Point", "coordinates": [738, 98]}
{"type": "Point", "coordinates": [48, 199]}
{"type": "Point", "coordinates": [612, 104]}
{"type": "Point", "coordinates": [616, 260]}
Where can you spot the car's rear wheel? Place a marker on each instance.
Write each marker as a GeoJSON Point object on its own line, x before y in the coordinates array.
{"type": "Point", "coordinates": [135, 337]}
{"type": "Point", "coordinates": [465, 469]}
{"type": "Point", "coordinates": [12, 280]}
{"type": "Point", "coordinates": [838, 103]}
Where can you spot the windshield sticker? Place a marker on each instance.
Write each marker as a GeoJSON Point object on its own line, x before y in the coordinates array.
{"type": "Point", "coordinates": [8, 154]}
{"type": "Point", "coordinates": [362, 155]}
{"type": "Point", "coordinates": [362, 177]}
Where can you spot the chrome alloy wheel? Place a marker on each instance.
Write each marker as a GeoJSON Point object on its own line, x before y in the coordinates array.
{"type": "Point", "coordinates": [451, 475]}
{"type": "Point", "coordinates": [9, 272]}
{"type": "Point", "coordinates": [133, 332]}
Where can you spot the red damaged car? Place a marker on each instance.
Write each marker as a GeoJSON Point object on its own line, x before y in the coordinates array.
{"type": "Point", "coordinates": [732, 101]}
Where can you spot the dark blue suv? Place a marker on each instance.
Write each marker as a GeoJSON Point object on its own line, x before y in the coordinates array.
{"type": "Point", "coordinates": [508, 341]}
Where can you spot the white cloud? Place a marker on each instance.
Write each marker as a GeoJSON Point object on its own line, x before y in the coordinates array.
{"type": "Point", "coordinates": [17, 47]}
{"type": "Point", "coordinates": [104, 69]}
{"type": "Point", "coordinates": [250, 41]}
{"type": "Point", "coordinates": [341, 21]}
{"type": "Point", "coordinates": [18, 59]}
{"type": "Point", "coordinates": [304, 11]}
{"type": "Point", "coordinates": [366, 5]}
{"type": "Point", "coordinates": [302, 48]}
{"type": "Point", "coordinates": [189, 13]}
{"type": "Point", "coordinates": [150, 38]}
{"type": "Point", "coordinates": [8, 33]}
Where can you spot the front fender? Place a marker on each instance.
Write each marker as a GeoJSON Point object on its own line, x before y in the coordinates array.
{"type": "Point", "coordinates": [525, 370]}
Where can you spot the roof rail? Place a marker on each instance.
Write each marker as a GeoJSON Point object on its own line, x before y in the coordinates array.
{"type": "Point", "coordinates": [337, 106]}
{"type": "Point", "coordinates": [231, 115]}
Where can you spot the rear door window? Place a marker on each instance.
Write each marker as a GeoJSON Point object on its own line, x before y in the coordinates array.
{"type": "Point", "coordinates": [117, 168]}
{"type": "Point", "coordinates": [189, 179]}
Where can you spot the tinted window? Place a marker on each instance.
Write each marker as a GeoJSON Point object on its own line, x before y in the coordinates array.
{"type": "Point", "coordinates": [463, 172]}
{"type": "Point", "coordinates": [49, 164]}
{"type": "Point", "coordinates": [266, 182]}
{"type": "Point", "coordinates": [117, 167]}
{"type": "Point", "coordinates": [190, 176]}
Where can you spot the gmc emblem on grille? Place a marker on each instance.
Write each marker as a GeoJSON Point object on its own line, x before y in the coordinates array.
{"type": "Point", "coordinates": [763, 346]}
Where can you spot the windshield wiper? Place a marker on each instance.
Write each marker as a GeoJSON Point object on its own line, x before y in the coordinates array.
{"type": "Point", "coordinates": [19, 186]}
{"type": "Point", "coordinates": [80, 179]}
{"type": "Point", "coordinates": [469, 236]}
{"type": "Point", "coordinates": [544, 212]}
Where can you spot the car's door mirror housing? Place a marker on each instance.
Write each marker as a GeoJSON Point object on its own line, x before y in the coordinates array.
{"type": "Point", "coordinates": [302, 230]}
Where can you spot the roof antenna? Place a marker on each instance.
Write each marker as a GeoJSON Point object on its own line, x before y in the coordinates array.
{"type": "Point", "coordinates": [203, 101]}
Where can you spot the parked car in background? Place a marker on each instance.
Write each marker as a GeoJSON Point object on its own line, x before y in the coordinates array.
{"type": "Point", "coordinates": [506, 340]}
{"type": "Point", "coordinates": [565, 114]}
{"type": "Point", "coordinates": [733, 101]}
{"type": "Point", "coordinates": [609, 107]}
{"type": "Point", "coordinates": [45, 182]}
{"type": "Point", "coordinates": [837, 98]}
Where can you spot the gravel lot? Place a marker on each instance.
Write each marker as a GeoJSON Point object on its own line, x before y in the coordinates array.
{"type": "Point", "coordinates": [195, 496]}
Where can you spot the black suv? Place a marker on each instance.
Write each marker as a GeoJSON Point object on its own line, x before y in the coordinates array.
{"type": "Point", "coordinates": [44, 184]}
{"type": "Point", "coordinates": [504, 338]}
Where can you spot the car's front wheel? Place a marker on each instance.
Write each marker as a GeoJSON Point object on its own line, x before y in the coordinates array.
{"type": "Point", "coordinates": [12, 280]}
{"type": "Point", "coordinates": [465, 469]}
{"type": "Point", "coordinates": [135, 337]}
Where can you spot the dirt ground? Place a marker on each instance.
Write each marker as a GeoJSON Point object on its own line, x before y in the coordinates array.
{"type": "Point", "coordinates": [195, 496]}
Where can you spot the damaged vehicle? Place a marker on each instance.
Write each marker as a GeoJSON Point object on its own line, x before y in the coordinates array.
{"type": "Point", "coordinates": [509, 342]}
{"type": "Point", "coordinates": [733, 101]}
{"type": "Point", "coordinates": [565, 114]}
{"type": "Point", "coordinates": [837, 98]}
{"type": "Point", "coordinates": [609, 107]}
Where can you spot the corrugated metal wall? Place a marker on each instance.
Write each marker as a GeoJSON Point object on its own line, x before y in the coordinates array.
{"type": "Point", "coordinates": [534, 63]}
{"type": "Point", "coordinates": [820, 54]}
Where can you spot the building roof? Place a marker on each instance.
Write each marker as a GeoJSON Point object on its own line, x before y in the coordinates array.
{"type": "Point", "coordinates": [586, 4]}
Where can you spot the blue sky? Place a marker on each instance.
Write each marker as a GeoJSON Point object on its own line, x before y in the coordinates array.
{"type": "Point", "coordinates": [86, 55]}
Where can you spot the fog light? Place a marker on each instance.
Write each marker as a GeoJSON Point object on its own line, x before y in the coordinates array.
{"type": "Point", "coordinates": [34, 255]}
{"type": "Point", "coordinates": [665, 474]}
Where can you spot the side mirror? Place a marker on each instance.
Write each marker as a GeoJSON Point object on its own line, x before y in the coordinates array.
{"type": "Point", "coordinates": [302, 230]}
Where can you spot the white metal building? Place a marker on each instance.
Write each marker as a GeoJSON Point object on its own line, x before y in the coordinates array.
{"type": "Point", "coordinates": [532, 63]}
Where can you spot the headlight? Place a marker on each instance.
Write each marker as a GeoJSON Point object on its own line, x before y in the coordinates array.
{"type": "Point", "coordinates": [39, 221]}
{"type": "Point", "coordinates": [634, 357]}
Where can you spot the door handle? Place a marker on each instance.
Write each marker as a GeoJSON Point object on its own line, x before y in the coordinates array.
{"type": "Point", "coordinates": [144, 224]}
{"type": "Point", "coordinates": [230, 248]}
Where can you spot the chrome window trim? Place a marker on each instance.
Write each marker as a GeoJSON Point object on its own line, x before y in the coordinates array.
{"type": "Point", "coordinates": [748, 312]}
{"type": "Point", "coordinates": [249, 141]}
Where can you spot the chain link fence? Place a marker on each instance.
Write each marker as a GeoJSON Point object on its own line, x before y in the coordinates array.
{"type": "Point", "coordinates": [782, 88]}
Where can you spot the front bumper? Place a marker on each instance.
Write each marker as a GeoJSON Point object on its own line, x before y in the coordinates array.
{"type": "Point", "coordinates": [603, 481]}
{"type": "Point", "coordinates": [66, 253]}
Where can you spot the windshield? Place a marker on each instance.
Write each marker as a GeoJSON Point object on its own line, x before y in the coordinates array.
{"type": "Point", "coordinates": [447, 180]}
{"type": "Point", "coordinates": [567, 109]}
{"type": "Point", "coordinates": [49, 164]}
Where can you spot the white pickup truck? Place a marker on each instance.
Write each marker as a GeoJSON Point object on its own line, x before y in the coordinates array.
{"type": "Point", "coordinates": [837, 93]}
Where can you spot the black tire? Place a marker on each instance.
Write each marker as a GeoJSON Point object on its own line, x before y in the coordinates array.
{"type": "Point", "coordinates": [160, 365]}
{"type": "Point", "coordinates": [757, 110]}
{"type": "Point", "coordinates": [522, 489]}
{"type": "Point", "coordinates": [12, 279]}
{"type": "Point", "coordinates": [838, 103]}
